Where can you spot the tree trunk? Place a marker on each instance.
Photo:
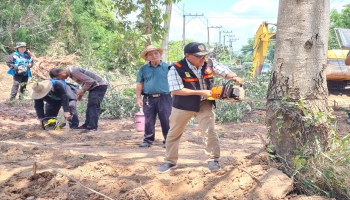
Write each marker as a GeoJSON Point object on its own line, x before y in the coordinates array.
{"type": "Point", "coordinates": [297, 108]}
{"type": "Point", "coordinates": [167, 27]}
{"type": "Point", "coordinates": [148, 30]}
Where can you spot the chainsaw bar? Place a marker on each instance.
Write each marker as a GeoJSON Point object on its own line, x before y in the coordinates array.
{"type": "Point", "coordinates": [241, 100]}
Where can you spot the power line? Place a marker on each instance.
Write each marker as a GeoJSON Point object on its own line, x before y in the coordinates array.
{"type": "Point", "coordinates": [177, 11]}
{"type": "Point", "coordinates": [245, 18]}
{"type": "Point", "coordinates": [199, 24]}
{"type": "Point", "coordinates": [180, 9]}
{"type": "Point", "coordinates": [337, 4]}
{"type": "Point", "coordinates": [184, 25]}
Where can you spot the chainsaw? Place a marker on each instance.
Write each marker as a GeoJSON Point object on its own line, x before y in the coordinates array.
{"type": "Point", "coordinates": [228, 92]}
{"type": "Point", "coordinates": [51, 123]}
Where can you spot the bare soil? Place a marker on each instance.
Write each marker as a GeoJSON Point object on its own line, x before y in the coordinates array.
{"type": "Point", "coordinates": [108, 164]}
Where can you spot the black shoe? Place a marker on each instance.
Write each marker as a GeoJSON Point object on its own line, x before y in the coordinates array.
{"type": "Point", "coordinates": [144, 144]}
{"type": "Point", "coordinates": [214, 165]}
{"type": "Point", "coordinates": [75, 128]}
{"type": "Point", "coordinates": [165, 167]}
{"type": "Point", "coordinates": [82, 127]}
{"type": "Point", "coordinates": [88, 130]}
{"type": "Point", "coordinates": [62, 125]}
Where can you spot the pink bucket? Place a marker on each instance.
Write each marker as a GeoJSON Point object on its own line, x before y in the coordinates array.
{"type": "Point", "coordinates": [140, 121]}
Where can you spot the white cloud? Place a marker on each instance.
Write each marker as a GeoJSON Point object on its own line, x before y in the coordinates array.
{"type": "Point", "coordinates": [255, 8]}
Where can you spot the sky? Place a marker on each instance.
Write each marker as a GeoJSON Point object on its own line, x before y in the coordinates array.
{"type": "Point", "coordinates": [240, 19]}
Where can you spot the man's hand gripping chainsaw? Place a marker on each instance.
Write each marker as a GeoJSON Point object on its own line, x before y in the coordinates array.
{"type": "Point", "coordinates": [228, 92]}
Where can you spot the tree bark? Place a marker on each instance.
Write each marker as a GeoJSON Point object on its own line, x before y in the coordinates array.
{"type": "Point", "coordinates": [148, 30]}
{"type": "Point", "coordinates": [297, 108]}
{"type": "Point", "coordinates": [167, 27]}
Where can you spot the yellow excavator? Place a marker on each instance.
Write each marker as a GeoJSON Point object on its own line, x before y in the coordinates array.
{"type": "Point", "coordinates": [261, 42]}
{"type": "Point", "coordinates": [337, 73]}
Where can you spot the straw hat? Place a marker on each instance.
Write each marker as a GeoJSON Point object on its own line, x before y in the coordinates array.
{"type": "Point", "coordinates": [21, 44]}
{"type": "Point", "coordinates": [41, 89]}
{"type": "Point", "coordinates": [150, 48]}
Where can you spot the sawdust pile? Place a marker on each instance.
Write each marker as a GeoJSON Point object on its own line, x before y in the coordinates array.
{"type": "Point", "coordinates": [43, 65]}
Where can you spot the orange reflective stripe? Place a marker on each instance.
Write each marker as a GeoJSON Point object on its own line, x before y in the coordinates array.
{"type": "Point", "coordinates": [190, 79]}
{"type": "Point", "coordinates": [177, 64]}
{"type": "Point", "coordinates": [208, 76]}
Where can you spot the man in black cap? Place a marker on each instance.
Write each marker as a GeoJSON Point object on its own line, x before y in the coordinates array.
{"type": "Point", "coordinates": [190, 82]}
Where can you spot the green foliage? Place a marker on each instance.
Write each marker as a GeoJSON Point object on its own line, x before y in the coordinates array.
{"type": "Point", "coordinates": [254, 89]}
{"type": "Point", "coordinates": [338, 20]}
{"type": "Point", "coordinates": [119, 102]}
{"type": "Point", "coordinates": [249, 48]}
{"type": "Point", "coordinates": [325, 172]}
{"type": "Point", "coordinates": [101, 32]}
{"type": "Point", "coordinates": [222, 53]}
{"type": "Point", "coordinates": [175, 50]}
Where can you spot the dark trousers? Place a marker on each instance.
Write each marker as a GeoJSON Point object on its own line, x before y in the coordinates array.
{"type": "Point", "coordinates": [151, 107]}
{"type": "Point", "coordinates": [51, 110]}
{"type": "Point", "coordinates": [21, 82]}
{"type": "Point", "coordinates": [74, 122]}
{"type": "Point", "coordinates": [93, 106]}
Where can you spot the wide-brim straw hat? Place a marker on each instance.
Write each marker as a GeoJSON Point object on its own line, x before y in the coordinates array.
{"type": "Point", "coordinates": [21, 44]}
{"type": "Point", "coordinates": [150, 48]}
{"type": "Point", "coordinates": [40, 89]}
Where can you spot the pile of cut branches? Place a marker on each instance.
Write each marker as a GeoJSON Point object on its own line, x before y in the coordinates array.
{"type": "Point", "coordinates": [43, 65]}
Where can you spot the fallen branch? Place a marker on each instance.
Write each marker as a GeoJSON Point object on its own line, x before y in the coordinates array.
{"type": "Point", "coordinates": [145, 191]}
{"type": "Point", "coordinates": [56, 170]}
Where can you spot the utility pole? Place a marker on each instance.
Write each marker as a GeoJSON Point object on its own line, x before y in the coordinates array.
{"type": "Point", "coordinates": [231, 47]}
{"type": "Point", "coordinates": [184, 25]}
{"type": "Point", "coordinates": [228, 36]}
{"type": "Point", "coordinates": [208, 31]}
{"type": "Point", "coordinates": [224, 36]}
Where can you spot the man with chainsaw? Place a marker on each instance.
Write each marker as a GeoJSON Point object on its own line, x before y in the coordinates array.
{"type": "Point", "coordinates": [89, 81]}
{"type": "Point", "coordinates": [152, 83]}
{"type": "Point", "coordinates": [190, 82]}
{"type": "Point", "coordinates": [53, 94]}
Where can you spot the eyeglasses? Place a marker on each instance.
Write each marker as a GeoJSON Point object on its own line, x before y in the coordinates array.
{"type": "Point", "coordinates": [197, 56]}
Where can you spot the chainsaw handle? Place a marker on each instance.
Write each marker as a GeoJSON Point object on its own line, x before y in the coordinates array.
{"type": "Point", "coordinates": [231, 80]}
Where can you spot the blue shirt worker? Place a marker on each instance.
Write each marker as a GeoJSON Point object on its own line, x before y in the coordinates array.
{"type": "Point", "coordinates": [54, 94]}
{"type": "Point", "coordinates": [19, 63]}
{"type": "Point", "coordinates": [152, 83]}
{"type": "Point", "coordinates": [72, 91]}
{"type": "Point", "coordinates": [90, 82]}
{"type": "Point", "coordinates": [190, 82]}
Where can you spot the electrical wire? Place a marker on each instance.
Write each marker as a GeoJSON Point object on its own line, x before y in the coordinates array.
{"type": "Point", "coordinates": [180, 9]}
{"type": "Point", "coordinates": [337, 4]}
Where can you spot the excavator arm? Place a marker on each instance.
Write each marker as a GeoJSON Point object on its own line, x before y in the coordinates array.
{"type": "Point", "coordinates": [261, 42]}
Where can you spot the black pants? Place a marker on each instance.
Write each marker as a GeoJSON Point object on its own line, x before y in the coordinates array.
{"type": "Point", "coordinates": [93, 110]}
{"type": "Point", "coordinates": [74, 122]}
{"type": "Point", "coordinates": [21, 82]}
{"type": "Point", "coordinates": [153, 106]}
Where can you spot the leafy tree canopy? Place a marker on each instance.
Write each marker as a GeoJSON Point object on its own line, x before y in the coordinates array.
{"type": "Point", "coordinates": [102, 32]}
{"type": "Point", "coordinates": [338, 20]}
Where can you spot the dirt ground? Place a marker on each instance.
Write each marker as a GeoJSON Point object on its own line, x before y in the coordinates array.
{"type": "Point", "coordinates": [108, 164]}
